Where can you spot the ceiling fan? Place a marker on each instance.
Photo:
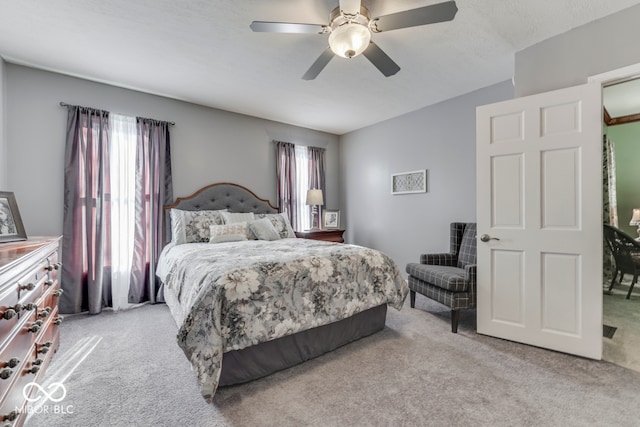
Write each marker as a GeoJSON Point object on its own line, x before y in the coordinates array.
{"type": "Point", "coordinates": [350, 29]}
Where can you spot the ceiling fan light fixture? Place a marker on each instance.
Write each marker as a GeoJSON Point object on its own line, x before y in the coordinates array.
{"type": "Point", "coordinates": [349, 40]}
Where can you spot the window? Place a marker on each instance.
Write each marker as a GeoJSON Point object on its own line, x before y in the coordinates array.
{"type": "Point", "coordinates": [298, 169]}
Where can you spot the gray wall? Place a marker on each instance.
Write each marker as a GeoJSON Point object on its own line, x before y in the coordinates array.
{"type": "Point", "coordinates": [440, 138]}
{"type": "Point", "coordinates": [208, 145]}
{"type": "Point", "coordinates": [3, 149]}
{"type": "Point", "coordinates": [570, 58]}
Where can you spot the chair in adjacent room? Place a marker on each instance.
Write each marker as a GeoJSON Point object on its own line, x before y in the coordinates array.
{"type": "Point", "coordinates": [626, 254]}
{"type": "Point", "coordinates": [449, 278]}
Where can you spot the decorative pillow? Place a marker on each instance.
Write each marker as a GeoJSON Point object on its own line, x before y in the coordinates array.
{"type": "Point", "coordinates": [193, 226]}
{"type": "Point", "coordinates": [281, 223]}
{"type": "Point", "coordinates": [231, 217]}
{"type": "Point", "coordinates": [229, 232]}
{"type": "Point", "coordinates": [263, 229]}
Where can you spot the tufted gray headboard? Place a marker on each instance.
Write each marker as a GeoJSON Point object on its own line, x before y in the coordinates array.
{"type": "Point", "coordinates": [223, 195]}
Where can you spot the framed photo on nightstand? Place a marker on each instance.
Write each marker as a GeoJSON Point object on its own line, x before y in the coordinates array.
{"type": "Point", "coordinates": [330, 219]}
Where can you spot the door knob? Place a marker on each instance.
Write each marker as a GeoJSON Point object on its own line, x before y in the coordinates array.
{"type": "Point", "coordinates": [486, 238]}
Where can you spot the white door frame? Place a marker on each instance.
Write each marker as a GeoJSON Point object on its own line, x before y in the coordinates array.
{"type": "Point", "coordinates": [617, 75]}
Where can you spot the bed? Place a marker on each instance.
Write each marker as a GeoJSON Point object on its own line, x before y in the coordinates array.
{"type": "Point", "coordinates": [251, 304]}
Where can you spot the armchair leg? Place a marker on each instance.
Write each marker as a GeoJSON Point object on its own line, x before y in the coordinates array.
{"type": "Point", "coordinates": [455, 316]}
{"type": "Point", "coordinates": [412, 296]}
{"type": "Point", "coordinates": [613, 280]}
{"type": "Point", "coordinates": [633, 282]}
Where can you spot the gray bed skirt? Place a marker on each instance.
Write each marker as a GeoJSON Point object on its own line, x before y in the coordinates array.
{"type": "Point", "coordinates": [239, 366]}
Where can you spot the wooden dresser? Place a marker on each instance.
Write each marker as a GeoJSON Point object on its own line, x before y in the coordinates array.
{"type": "Point", "coordinates": [29, 291]}
{"type": "Point", "coordinates": [328, 235]}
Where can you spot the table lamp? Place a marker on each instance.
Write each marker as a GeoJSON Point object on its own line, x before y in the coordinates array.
{"type": "Point", "coordinates": [314, 199]}
{"type": "Point", "coordinates": [635, 219]}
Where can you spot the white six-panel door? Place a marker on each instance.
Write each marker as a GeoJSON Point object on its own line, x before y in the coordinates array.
{"type": "Point", "coordinates": [539, 200]}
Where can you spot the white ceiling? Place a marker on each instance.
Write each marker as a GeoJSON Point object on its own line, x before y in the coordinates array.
{"type": "Point", "coordinates": [203, 51]}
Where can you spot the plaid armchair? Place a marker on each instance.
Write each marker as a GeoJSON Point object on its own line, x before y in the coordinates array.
{"type": "Point", "coordinates": [449, 278]}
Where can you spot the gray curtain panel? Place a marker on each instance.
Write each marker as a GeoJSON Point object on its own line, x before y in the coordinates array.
{"type": "Point", "coordinates": [86, 245]}
{"type": "Point", "coordinates": [86, 214]}
{"type": "Point", "coordinates": [286, 175]}
{"type": "Point", "coordinates": [154, 190]}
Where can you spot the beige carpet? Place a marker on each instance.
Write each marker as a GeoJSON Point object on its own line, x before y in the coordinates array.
{"type": "Point", "coordinates": [125, 369]}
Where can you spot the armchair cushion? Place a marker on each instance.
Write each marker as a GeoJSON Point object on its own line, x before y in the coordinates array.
{"type": "Point", "coordinates": [449, 278]}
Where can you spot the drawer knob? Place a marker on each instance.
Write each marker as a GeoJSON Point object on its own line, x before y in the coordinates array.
{"type": "Point", "coordinates": [8, 313]}
{"type": "Point", "coordinates": [48, 283]}
{"type": "Point", "coordinates": [29, 306]}
{"type": "Point", "coordinates": [58, 320]}
{"type": "Point", "coordinates": [52, 267]}
{"type": "Point", "coordinates": [28, 287]}
{"type": "Point", "coordinates": [11, 363]}
{"type": "Point", "coordinates": [11, 416]}
{"type": "Point", "coordinates": [44, 348]}
{"type": "Point", "coordinates": [5, 374]}
{"type": "Point", "coordinates": [37, 362]}
{"type": "Point", "coordinates": [35, 327]}
{"type": "Point", "coordinates": [58, 292]}
{"type": "Point", "coordinates": [32, 370]}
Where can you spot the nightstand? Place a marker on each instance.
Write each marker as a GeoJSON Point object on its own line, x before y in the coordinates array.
{"type": "Point", "coordinates": [328, 235]}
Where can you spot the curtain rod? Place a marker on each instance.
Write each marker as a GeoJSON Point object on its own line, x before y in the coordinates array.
{"type": "Point", "coordinates": [64, 104]}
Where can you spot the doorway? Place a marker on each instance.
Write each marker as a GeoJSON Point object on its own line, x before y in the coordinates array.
{"type": "Point", "coordinates": [621, 316]}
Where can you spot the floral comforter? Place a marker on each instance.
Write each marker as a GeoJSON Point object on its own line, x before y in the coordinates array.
{"type": "Point", "coordinates": [229, 296]}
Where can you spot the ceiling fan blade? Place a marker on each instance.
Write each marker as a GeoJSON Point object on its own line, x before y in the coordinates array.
{"type": "Point", "coordinates": [319, 64]}
{"type": "Point", "coordinates": [288, 27]}
{"type": "Point", "coordinates": [432, 14]}
{"type": "Point", "coordinates": [381, 60]}
{"type": "Point", "coordinates": [350, 7]}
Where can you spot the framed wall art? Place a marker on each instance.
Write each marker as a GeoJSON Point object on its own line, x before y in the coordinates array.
{"type": "Point", "coordinates": [11, 227]}
{"type": "Point", "coordinates": [409, 182]}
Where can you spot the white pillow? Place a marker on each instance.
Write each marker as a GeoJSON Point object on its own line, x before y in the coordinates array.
{"type": "Point", "coordinates": [193, 226]}
{"type": "Point", "coordinates": [281, 223]}
{"type": "Point", "coordinates": [263, 229]}
{"type": "Point", "coordinates": [231, 217]}
{"type": "Point", "coordinates": [229, 232]}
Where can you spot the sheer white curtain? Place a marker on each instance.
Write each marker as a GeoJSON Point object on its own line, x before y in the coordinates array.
{"type": "Point", "coordinates": [302, 185]}
{"type": "Point", "coordinates": [123, 137]}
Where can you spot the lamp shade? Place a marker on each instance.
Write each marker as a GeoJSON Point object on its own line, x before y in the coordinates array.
{"type": "Point", "coordinates": [635, 218]}
{"type": "Point", "coordinates": [314, 197]}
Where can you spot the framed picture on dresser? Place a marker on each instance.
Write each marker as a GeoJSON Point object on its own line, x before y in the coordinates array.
{"type": "Point", "coordinates": [11, 227]}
